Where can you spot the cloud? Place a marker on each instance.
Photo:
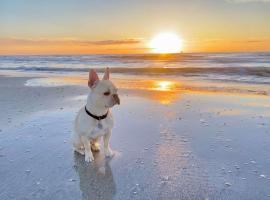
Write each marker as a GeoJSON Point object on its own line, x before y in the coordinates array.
{"type": "Point", "coordinates": [220, 40]}
{"type": "Point", "coordinates": [18, 46]}
{"type": "Point", "coordinates": [248, 1]}
{"type": "Point", "coordinates": [114, 42]}
{"type": "Point", "coordinates": [256, 41]}
{"type": "Point", "coordinates": [10, 41]}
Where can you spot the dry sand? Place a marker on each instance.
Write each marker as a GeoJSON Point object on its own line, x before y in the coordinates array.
{"type": "Point", "coordinates": [168, 146]}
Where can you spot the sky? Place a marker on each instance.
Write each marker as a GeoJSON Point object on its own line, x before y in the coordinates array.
{"type": "Point", "coordinates": [127, 26]}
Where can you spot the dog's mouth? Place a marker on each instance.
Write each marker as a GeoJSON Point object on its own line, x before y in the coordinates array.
{"type": "Point", "coordinates": [113, 103]}
{"type": "Point", "coordinates": [114, 100]}
{"type": "Point", "coordinates": [110, 106]}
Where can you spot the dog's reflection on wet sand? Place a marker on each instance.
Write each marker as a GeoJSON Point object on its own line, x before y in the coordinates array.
{"type": "Point", "coordinates": [96, 178]}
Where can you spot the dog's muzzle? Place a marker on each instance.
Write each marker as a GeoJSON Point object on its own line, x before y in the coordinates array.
{"type": "Point", "coordinates": [116, 99]}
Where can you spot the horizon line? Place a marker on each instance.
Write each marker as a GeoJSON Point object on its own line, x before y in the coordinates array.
{"type": "Point", "coordinates": [149, 53]}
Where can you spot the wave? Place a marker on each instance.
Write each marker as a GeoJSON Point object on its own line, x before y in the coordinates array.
{"type": "Point", "coordinates": [262, 57]}
{"type": "Point", "coordinates": [191, 71]}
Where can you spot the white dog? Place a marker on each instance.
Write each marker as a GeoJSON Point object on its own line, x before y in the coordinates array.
{"type": "Point", "coordinates": [95, 119]}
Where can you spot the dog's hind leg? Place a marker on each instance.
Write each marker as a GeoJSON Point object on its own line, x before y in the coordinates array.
{"type": "Point", "coordinates": [78, 145]}
{"type": "Point", "coordinates": [78, 148]}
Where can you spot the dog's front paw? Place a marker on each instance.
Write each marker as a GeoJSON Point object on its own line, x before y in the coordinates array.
{"type": "Point", "coordinates": [89, 158]}
{"type": "Point", "coordinates": [109, 152]}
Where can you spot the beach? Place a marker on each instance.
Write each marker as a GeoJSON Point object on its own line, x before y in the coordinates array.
{"type": "Point", "coordinates": [169, 144]}
{"type": "Point", "coordinates": [189, 100]}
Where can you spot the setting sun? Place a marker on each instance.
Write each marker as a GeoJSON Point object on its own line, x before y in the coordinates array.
{"type": "Point", "coordinates": [166, 43]}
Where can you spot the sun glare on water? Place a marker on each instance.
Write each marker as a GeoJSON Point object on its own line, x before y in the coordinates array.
{"type": "Point", "coordinates": [166, 43]}
{"type": "Point", "coordinates": [164, 86]}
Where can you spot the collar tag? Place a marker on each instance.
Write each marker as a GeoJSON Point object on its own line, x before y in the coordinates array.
{"type": "Point", "coordinates": [99, 125]}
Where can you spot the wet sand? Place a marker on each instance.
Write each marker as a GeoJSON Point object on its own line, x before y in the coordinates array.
{"type": "Point", "coordinates": [168, 145]}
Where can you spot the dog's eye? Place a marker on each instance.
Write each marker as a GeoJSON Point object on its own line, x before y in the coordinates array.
{"type": "Point", "coordinates": [106, 93]}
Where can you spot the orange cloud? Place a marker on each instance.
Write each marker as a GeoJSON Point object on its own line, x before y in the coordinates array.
{"type": "Point", "coordinates": [247, 1]}
{"type": "Point", "coordinates": [10, 41]}
{"type": "Point", "coordinates": [227, 45]}
{"type": "Point", "coordinates": [69, 46]}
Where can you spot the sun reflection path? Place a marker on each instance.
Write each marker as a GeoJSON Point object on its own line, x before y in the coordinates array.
{"type": "Point", "coordinates": [165, 91]}
{"type": "Point", "coordinates": [164, 85]}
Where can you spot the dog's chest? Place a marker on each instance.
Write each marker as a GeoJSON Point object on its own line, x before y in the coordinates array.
{"type": "Point", "coordinates": [100, 129]}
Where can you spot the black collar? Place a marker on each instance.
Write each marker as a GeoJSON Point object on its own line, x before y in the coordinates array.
{"type": "Point", "coordinates": [94, 116]}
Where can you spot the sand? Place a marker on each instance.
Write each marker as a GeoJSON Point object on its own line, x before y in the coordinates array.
{"type": "Point", "coordinates": [189, 145]}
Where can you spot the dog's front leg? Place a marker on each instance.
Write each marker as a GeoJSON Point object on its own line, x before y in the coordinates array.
{"type": "Point", "coordinates": [107, 150]}
{"type": "Point", "coordinates": [87, 148]}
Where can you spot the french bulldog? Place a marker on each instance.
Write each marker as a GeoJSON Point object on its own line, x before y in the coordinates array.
{"type": "Point", "coordinates": [95, 120]}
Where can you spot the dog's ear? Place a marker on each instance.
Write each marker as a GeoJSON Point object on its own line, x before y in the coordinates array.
{"type": "Point", "coordinates": [106, 75]}
{"type": "Point", "coordinates": [93, 78]}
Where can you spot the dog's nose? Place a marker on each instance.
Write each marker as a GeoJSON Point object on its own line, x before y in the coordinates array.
{"type": "Point", "coordinates": [116, 98]}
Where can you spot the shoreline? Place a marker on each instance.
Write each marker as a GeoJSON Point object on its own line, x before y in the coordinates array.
{"type": "Point", "coordinates": [146, 83]}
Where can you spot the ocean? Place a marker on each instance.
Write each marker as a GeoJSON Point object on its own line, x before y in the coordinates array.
{"type": "Point", "coordinates": [247, 69]}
